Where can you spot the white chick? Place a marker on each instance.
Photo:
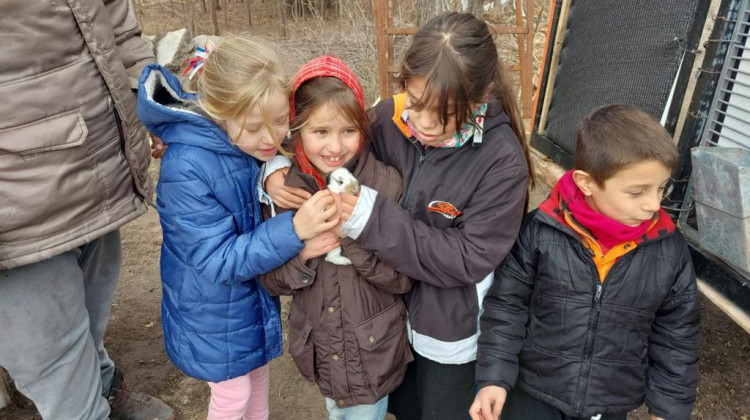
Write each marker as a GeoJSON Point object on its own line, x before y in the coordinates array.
{"type": "Point", "coordinates": [341, 181]}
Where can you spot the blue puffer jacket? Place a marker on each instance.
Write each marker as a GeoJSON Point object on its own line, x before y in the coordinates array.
{"type": "Point", "coordinates": [218, 322]}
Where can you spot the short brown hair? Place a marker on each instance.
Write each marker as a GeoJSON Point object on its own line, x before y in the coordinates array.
{"type": "Point", "coordinates": [615, 136]}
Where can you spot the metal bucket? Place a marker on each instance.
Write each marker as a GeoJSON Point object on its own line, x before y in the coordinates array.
{"type": "Point", "coordinates": [721, 180]}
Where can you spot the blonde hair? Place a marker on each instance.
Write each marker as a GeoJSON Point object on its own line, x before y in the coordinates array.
{"type": "Point", "coordinates": [239, 74]}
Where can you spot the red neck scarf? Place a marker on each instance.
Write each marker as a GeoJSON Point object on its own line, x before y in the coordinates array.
{"type": "Point", "coordinates": [605, 230]}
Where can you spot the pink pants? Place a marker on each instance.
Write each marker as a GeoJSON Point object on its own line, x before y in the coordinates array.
{"type": "Point", "coordinates": [244, 397]}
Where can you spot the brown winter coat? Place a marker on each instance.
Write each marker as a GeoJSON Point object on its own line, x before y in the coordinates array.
{"type": "Point", "coordinates": [346, 326]}
{"type": "Point", "coordinates": [73, 156]}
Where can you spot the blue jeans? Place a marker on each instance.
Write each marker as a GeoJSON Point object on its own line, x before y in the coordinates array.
{"type": "Point", "coordinates": [358, 412]}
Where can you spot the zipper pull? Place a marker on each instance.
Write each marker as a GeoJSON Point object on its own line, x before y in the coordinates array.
{"type": "Point", "coordinates": [598, 294]}
{"type": "Point", "coordinates": [421, 158]}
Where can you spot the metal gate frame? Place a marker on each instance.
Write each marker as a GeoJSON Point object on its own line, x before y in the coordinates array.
{"type": "Point", "coordinates": [385, 32]}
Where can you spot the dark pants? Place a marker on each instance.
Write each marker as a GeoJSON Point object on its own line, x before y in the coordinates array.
{"type": "Point", "coordinates": [434, 391]}
{"type": "Point", "coordinates": [521, 406]}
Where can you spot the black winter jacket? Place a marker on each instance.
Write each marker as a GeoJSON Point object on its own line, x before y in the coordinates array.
{"type": "Point", "coordinates": [548, 328]}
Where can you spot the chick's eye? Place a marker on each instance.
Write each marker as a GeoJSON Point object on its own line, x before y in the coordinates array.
{"type": "Point", "coordinates": [340, 181]}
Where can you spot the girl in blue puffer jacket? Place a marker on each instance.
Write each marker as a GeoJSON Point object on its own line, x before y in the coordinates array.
{"type": "Point", "coordinates": [219, 325]}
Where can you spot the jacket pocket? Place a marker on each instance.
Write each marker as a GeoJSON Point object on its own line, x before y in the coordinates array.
{"type": "Point", "coordinates": [53, 133]}
{"type": "Point", "coordinates": [301, 345]}
{"type": "Point", "coordinates": [383, 346]}
{"type": "Point", "coordinates": [49, 176]}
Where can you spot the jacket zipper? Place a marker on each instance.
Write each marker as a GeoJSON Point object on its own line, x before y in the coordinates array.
{"type": "Point", "coordinates": [404, 203]}
{"type": "Point", "coordinates": [592, 327]}
{"type": "Point", "coordinates": [422, 159]}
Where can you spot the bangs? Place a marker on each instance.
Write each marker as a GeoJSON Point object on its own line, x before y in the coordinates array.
{"type": "Point", "coordinates": [349, 107]}
{"type": "Point", "coordinates": [445, 91]}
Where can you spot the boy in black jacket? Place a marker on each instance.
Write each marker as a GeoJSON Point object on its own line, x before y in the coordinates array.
{"type": "Point", "coordinates": [596, 306]}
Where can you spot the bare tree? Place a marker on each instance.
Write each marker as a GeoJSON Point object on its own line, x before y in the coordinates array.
{"type": "Point", "coordinates": [281, 17]}
{"type": "Point", "coordinates": [428, 9]}
{"type": "Point", "coordinates": [322, 7]}
{"type": "Point", "coordinates": [225, 9]}
{"type": "Point", "coordinates": [214, 18]}
{"type": "Point", "coordinates": [476, 7]}
{"type": "Point", "coordinates": [249, 14]}
{"type": "Point", "coordinates": [190, 16]}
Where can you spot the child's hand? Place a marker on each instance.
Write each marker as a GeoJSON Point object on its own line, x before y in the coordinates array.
{"type": "Point", "coordinates": [317, 215]}
{"type": "Point", "coordinates": [488, 403]}
{"type": "Point", "coordinates": [319, 245]}
{"type": "Point", "coordinates": [348, 202]}
{"type": "Point", "coordinates": [283, 196]}
{"type": "Point", "coordinates": [157, 147]}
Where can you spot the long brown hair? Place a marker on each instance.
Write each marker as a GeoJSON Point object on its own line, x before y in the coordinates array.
{"type": "Point", "coordinates": [458, 59]}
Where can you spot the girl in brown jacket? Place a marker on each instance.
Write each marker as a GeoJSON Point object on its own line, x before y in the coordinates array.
{"type": "Point", "coordinates": [347, 322]}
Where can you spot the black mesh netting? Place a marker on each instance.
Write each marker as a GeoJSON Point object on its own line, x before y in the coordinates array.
{"type": "Point", "coordinates": [617, 51]}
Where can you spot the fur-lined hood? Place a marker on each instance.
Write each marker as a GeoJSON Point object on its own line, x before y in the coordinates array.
{"type": "Point", "coordinates": [173, 115]}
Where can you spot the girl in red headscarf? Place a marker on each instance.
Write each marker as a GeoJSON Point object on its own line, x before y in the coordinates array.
{"type": "Point", "coordinates": [347, 329]}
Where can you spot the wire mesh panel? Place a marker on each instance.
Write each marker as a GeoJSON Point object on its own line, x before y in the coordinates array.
{"type": "Point", "coordinates": [728, 123]}
{"type": "Point", "coordinates": [609, 51]}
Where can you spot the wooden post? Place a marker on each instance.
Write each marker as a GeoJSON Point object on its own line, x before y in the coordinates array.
{"type": "Point", "coordinates": [562, 24]}
{"type": "Point", "coordinates": [526, 52]}
{"type": "Point", "coordinates": [522, 53]}
{"type": "Point", "coordinates": [527, 63]}
{"type": "Point", "coordinates": [381, 41]}
{"type": "Point", "coordinates": [5, 389]}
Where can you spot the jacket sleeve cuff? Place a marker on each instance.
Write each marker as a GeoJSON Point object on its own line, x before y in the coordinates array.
{"type": "Point", "coordinates": [671, 413]}
{"type": "Point", "coordinates": [272, 165]}
{"type": "Point", "coordinates": [269, 167]}
{"type": "Point", "coordinates": [303, 274]}
{"type": "Point", "coordinates": [504, 385]}
{"type": "Point", "coordinates": [264, 198]}
{"type": "Point", "coordinates": [361, 214]}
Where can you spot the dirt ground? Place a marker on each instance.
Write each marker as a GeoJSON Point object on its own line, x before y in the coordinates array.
{"type": "Point", "coordinates": [134, 336]}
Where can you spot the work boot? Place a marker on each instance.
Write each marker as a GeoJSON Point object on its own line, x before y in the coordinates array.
{"type": "Point", "coordinates": [125, 404]}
